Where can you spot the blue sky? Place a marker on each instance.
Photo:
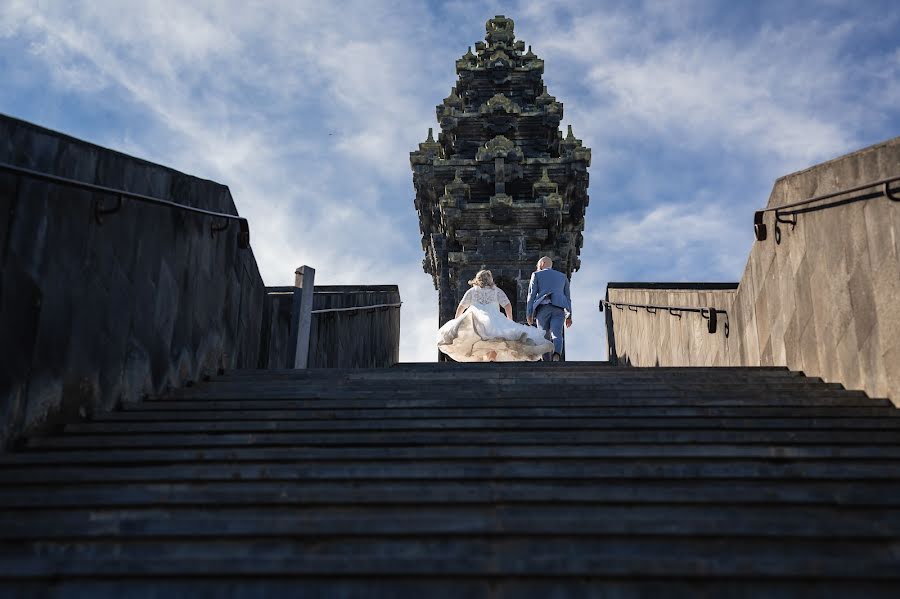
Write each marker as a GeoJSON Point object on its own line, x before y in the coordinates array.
{"type": "Point", "coordinates": [308, 110]}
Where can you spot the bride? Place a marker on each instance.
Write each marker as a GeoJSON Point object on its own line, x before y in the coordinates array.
{"type": "Point", "coordinates": [480, 333]}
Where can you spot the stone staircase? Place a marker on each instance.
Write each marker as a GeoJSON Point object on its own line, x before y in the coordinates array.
{"type": "Point", "coordinates": [440, 480]}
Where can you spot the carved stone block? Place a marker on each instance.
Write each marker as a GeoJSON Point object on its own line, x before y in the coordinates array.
{"type": "Point", "coordinates": [501, 186]}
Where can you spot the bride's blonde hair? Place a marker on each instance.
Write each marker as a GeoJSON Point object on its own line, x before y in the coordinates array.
{"type": "Point", "coordinates": [484, 278]}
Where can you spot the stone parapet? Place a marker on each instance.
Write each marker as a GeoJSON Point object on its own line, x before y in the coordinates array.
{"type": "Point", "coordinates": [641, 338]}
{"type": "Point", "coordinates": [341, 335]}
{"type": "Point", "coordinates": [95, 314]}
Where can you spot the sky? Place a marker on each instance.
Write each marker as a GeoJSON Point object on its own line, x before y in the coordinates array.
{"type": "Point", "coordinates": [308, 112]}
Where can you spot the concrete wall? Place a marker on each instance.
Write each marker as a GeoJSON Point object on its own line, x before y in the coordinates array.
{"type": "Point", "coordinates": [661, 339]}
{"type": "Point", "coordinates": [823, 301]}
{"type": "Point", "coordinates": [353, 339]}
{"type": "Point", "coordinates": [93, 314]}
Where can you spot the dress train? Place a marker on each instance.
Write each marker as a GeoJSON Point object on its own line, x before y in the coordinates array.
{"type": "Point", "coordinates": [483, 329]}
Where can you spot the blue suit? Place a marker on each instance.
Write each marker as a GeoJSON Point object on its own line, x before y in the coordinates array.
{"type": "Point", "coordinates": [552, 286]}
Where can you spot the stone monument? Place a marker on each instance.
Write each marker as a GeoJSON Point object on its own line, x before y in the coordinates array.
{"type": "Point", "coordinates": [501, 186]}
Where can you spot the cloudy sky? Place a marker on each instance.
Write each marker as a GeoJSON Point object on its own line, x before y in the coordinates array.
{"type": "Point", "coordinates": [308, 110]}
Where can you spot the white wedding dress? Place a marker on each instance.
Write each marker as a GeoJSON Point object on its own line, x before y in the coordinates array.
{"type": "Point", "coordinates": [483, 329]}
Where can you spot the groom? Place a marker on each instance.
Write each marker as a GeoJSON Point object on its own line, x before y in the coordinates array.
{"type": "Point", "coordinates": [549, 301]}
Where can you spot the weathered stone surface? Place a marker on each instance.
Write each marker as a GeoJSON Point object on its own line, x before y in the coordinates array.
{"type": "Point", "coordinates": [823, 300]}
{"type": "Point", "coordinates": [96, 314]}
{"type": "Point", "coordinates": [501, 186]}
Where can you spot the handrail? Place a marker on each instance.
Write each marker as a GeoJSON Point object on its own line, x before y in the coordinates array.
{"type": "Point", "coordinates": [323, 310]}
{"type": "Point", "coordinates": [100, 210]}
{"type": "Point", "coordinates": [760, 230]}
{"type": "Point", "coordinates": [371, 307]}
{"type": "Point", "coordinates": [709, 314]}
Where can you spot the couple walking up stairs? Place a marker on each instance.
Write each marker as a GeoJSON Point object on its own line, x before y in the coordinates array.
{"type": "Point", "coordinates": [455, 480]}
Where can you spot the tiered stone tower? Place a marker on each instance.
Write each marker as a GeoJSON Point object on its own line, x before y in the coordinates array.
{"type": "Point", "coordinates": [501, 186]}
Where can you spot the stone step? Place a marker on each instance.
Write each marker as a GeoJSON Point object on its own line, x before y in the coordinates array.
{"type": "Point", "coordinates": [514, 386]}
{"type": "Point", "coordinates": [185, 411]}
{"type": "Point", "coordinates": [563, 472]}
{"type": "Point", "coordinates": [490, 469]}
{"type": "Point", "coordinates": [550, 370]}
{"type": "Point", "coordinates": [578, 376]}
{"type": "Point", "coordinates": [480, 423]}
{"type": "Point", "coordinates": [801, 405]}
{"type": "Point", "coordinates": [499, 368]}
{"type": "Point", "coordinates": [783, 521]}
{"type": "Point", "coordinates": [252, 494]}
{"type": "Point", "coordinates": [600, 397]}
{"type": "Point", "coordinates": [561, 394]}
{"type": "Point", "coordinates": [176, 455]}
{"type": "Point", "coordinates": [469, 585]}
{"type": "Point", "coordinates": [583, 377]}
{"type": "Point", "coordinates": [467, 437]}
{"type": "Point", "coordinates": [599, 557]}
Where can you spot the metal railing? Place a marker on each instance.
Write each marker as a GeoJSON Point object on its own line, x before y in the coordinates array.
{"type": "Point", "coordinates": [101, 209]}
{"type": "Point", "coordinates": [760, 229]}
{"type": "Point", "coordinates": [711, 315]}
{"type": "Point", "coordinates": [353, 308]}
{"type": "Point", "coordinates": [350, 309]}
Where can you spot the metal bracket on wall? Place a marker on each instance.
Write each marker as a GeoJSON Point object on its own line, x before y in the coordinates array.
{"type": "Point", "coordinates": [100, 210]}
{"type": "Point", "coordinates": [711, 320]}
{"type": "Point", "coordinates": [784, 221]}
{"type": "Point", "coordinates": [759, 227]}
{"type": "Point", "coordinates": [890, 194]}
{"type": "Point", "coordinates": [216, 228]}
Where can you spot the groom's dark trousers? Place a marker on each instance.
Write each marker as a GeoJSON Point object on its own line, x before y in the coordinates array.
{"type": "Point", "coordinates": [551, 319]}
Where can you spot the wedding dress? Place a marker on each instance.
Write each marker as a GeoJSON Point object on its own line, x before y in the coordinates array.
{"type": "Point", "coordinates": [483, 329]}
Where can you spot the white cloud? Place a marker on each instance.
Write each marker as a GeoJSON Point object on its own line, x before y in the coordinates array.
{"type": "Point", "coordinates": [776, 93]}
{"type": "Point", "coordinates": [681, 239]}
{"type": "Point", "coordinates": [308, 110]}
{"type": "Point", "coordinates": [310, 201]}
